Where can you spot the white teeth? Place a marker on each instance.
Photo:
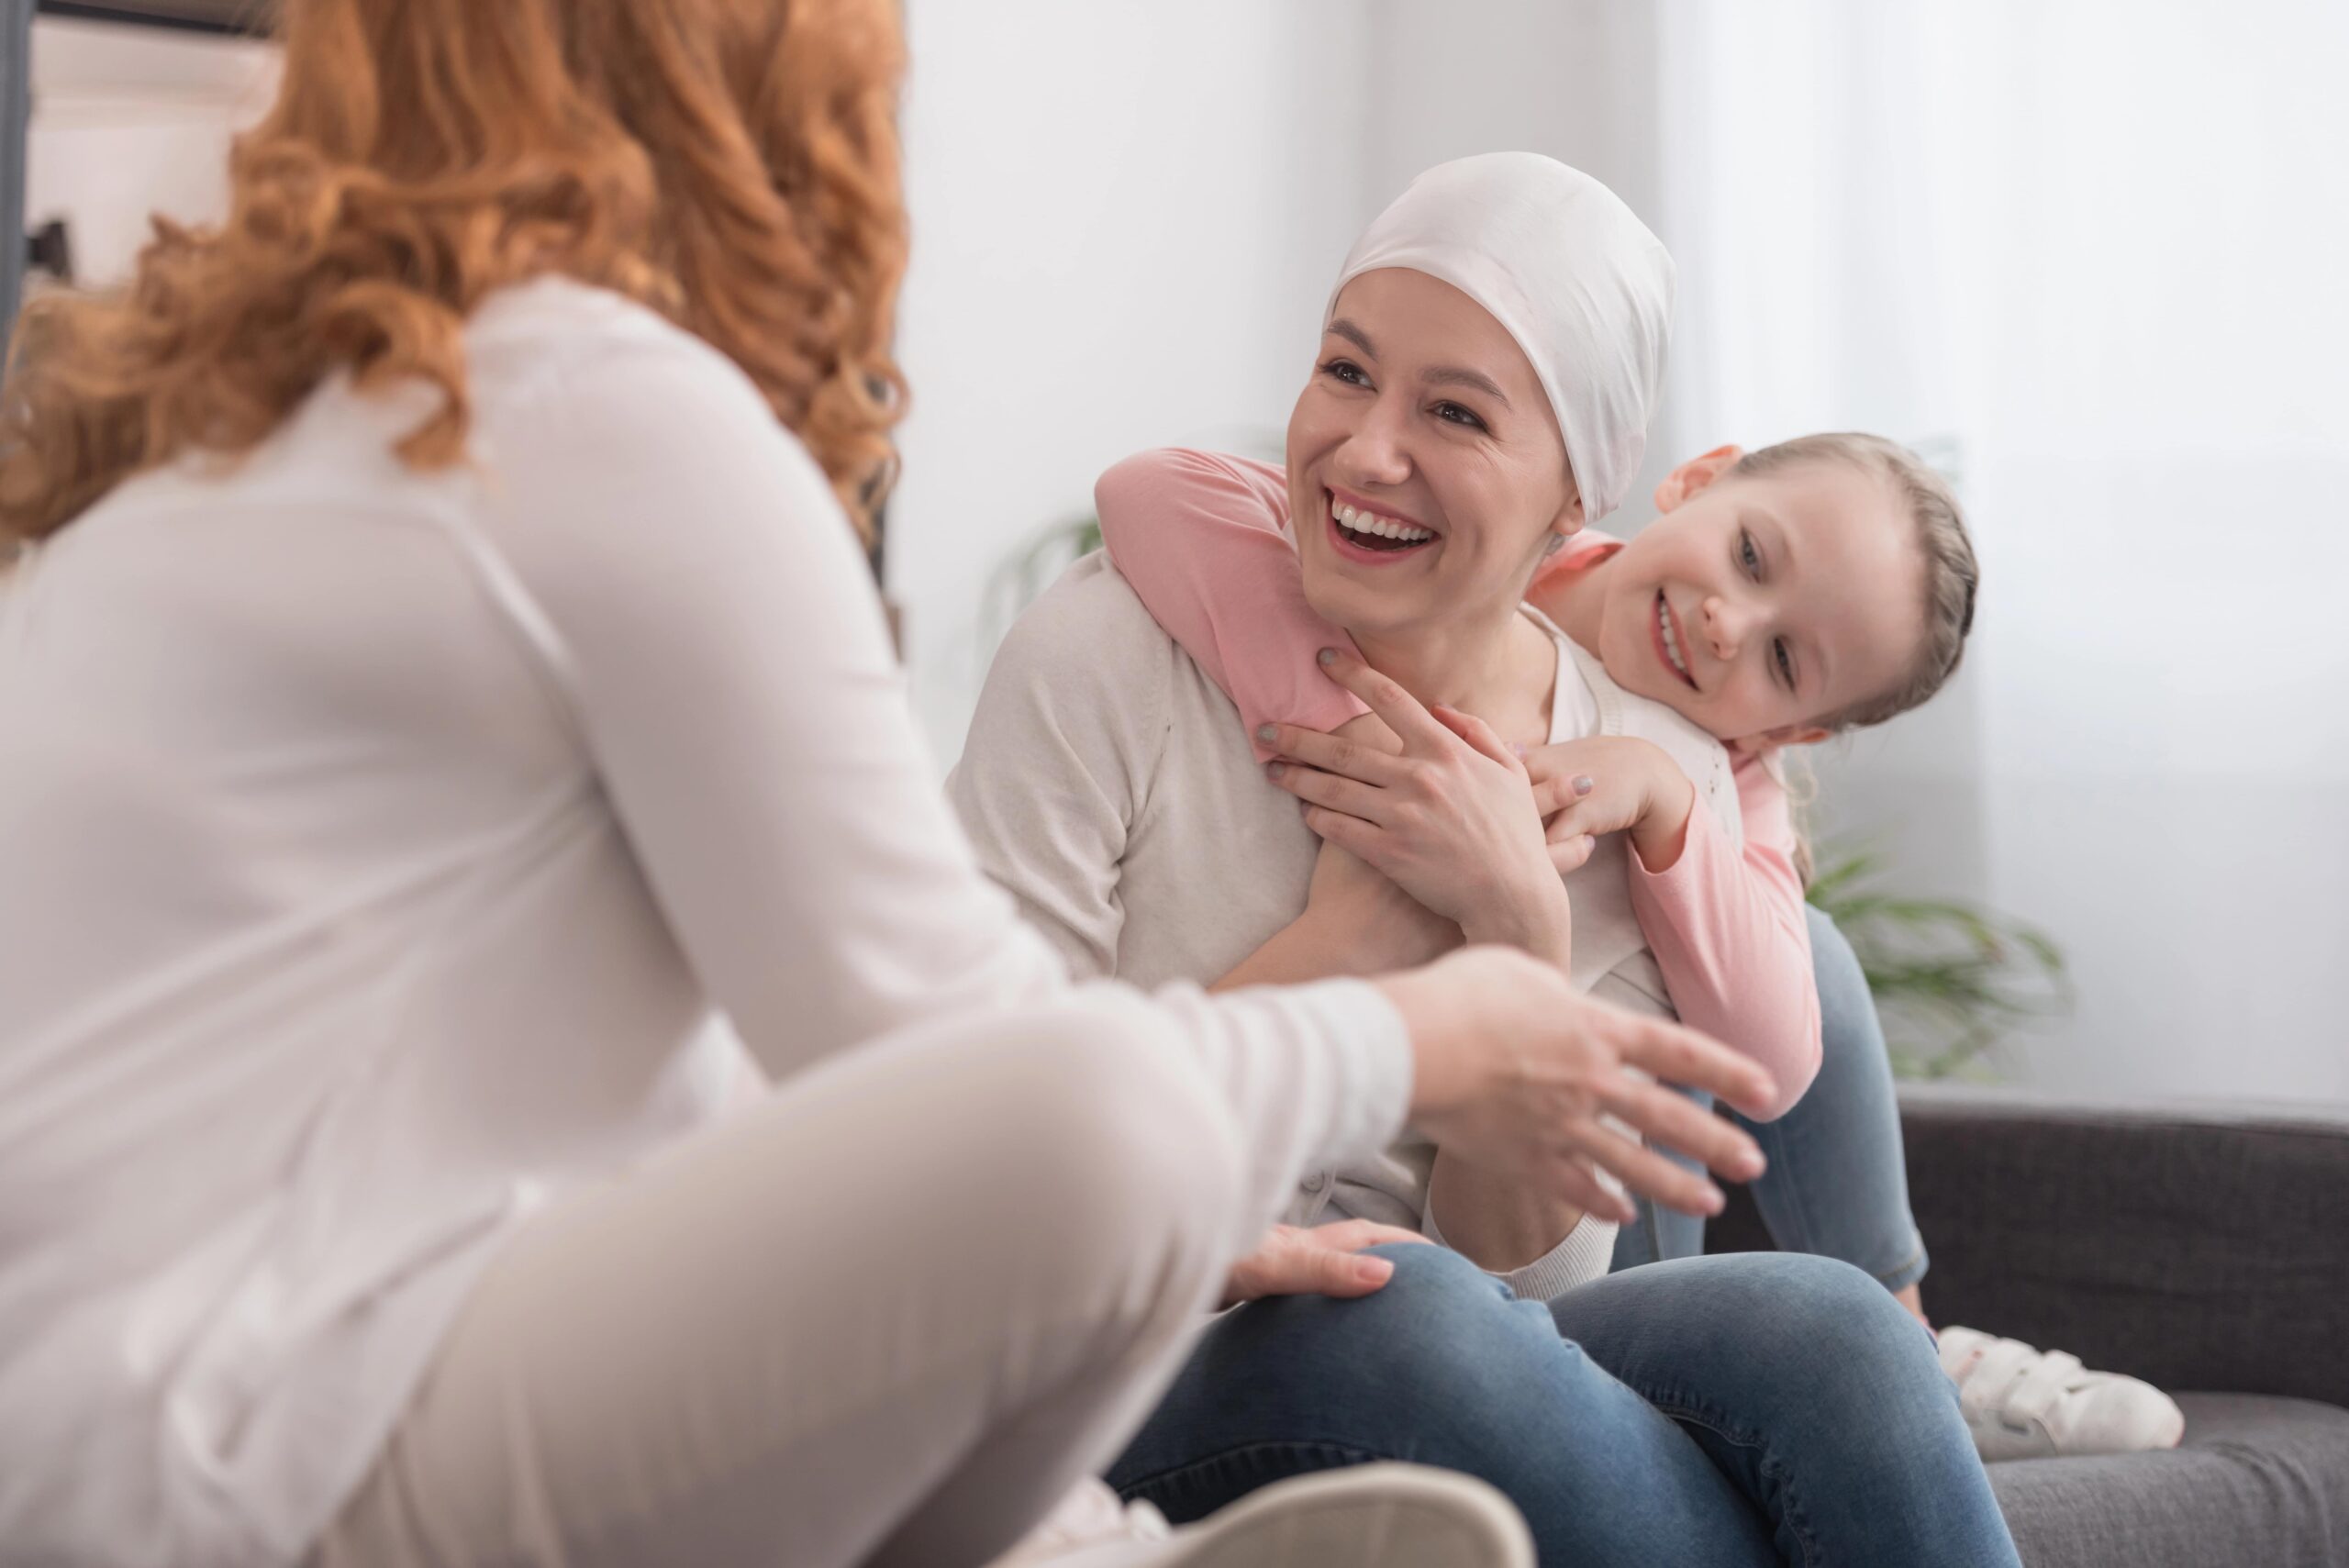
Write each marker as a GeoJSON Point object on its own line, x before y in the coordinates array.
{"type": "Point", "coordinates": [1671, 643]}
{"type": "Point", "coordinates": [1362, 522]}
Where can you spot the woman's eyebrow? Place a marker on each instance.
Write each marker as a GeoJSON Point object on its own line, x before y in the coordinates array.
{"type": "Point", "coordinates": [1476, 381]}
{"type": "Point", "coordinates": [1442, 376]}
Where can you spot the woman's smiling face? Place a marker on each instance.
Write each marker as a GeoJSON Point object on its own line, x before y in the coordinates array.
{"type": "Point", "coordinates": [1426, 472]}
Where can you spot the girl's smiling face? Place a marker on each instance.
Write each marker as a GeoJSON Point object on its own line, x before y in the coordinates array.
{"type": "Point", "coordinates": [1759, 604]}
{"type": "Point", "coordinates": [1426, 471]}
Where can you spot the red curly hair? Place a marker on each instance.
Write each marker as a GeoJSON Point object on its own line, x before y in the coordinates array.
{"type": "Point", "coordinates": [730, 163]}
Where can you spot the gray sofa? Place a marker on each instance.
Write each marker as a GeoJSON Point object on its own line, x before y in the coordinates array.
{"type": "Point", "coordinates": [2205, 1251]}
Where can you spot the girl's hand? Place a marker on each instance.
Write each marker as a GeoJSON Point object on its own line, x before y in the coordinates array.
{"type": "Point", "coordinates": [1320, 1260]}
{"type": "Point", "coordinates": [1610, 784]}
{"type": "Point", "coordinates": [1450, 820]}
{"type": "Point", "coordinates": [1515, 1069]}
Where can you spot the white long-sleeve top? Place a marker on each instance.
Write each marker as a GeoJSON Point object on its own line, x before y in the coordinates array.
{"type": "Point", "coordinates": [382, 853]}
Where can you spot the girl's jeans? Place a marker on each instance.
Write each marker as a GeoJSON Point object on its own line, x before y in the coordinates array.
{"type": "Point", "coordinates": [1837, 1185]}
{"type": "Point", "coordinates": [1729, 1411]}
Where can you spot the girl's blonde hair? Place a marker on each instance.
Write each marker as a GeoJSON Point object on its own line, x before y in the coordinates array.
{"type": "Point", "coordinates": [1951, 573]}
{"type": "Point", "coordinates": [730, 163]}
{"type": "Point", "coordinates": [1951, 579]}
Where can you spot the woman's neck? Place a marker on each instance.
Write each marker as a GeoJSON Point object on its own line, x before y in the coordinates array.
{"type": "Point", "coordinates": [1576, 598]}
{"type": "Point", "coordinates": [1503, 671]}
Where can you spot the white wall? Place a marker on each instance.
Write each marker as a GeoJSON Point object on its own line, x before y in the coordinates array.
{"type": "Point", "coordinates": [1127, 215]}
{"type": "Point", "coordinates": [1124, 218]}
{"type": "Point", "coordinates": [2105, 260]}
{"type": "Point", "coordinates": [131, 120]}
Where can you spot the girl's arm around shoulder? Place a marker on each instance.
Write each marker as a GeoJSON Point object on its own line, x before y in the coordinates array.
{"type": "Point", "coordinates": [1729, 933]}
{"type": "Point", "coordinates": [1199, 536]}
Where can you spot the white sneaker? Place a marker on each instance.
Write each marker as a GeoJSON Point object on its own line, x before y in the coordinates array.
{"type": "Point", "coordinates": [1091, 1514]}
{"type": "Point", "coordinates": [1368, 1516]}
{"type": "Point", "coordinates": [2025, 1403]}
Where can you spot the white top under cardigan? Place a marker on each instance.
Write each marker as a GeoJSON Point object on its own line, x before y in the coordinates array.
{"type": "Point", "coordinates": [376, 849]}
{"type": "Point", "coordinates": [1109, 785]}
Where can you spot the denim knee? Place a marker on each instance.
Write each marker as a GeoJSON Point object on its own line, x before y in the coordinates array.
{"type": "Point", "coordinates": [1449, 1340]}
{"type": "Point", "coordinates": [1438, 1342]}
{"type": "Point", "coordinates": [1849, 1337]}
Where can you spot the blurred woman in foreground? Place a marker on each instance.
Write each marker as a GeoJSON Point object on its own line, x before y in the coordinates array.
{"type": "Point", "coordinates": [438, 682]}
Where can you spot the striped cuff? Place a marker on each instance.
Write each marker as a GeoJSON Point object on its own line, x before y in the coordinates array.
{"type": "Point", "coordinates": [1582, 1257]}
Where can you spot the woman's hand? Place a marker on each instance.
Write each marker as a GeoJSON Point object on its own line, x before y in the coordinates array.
{"type": "Point", "coordinates": [1450, 820]}
{"type": "Point", "coordinates": [1368, 917]}
{"type": "Point", "coordinates": [1355, 922]}
{"type": "Point", "coordinates": [1320, 1260]}
{"type": "Point", "coordinates": [1514, 1069]}
{"type": "Point", "coordinates": [1610, 784]}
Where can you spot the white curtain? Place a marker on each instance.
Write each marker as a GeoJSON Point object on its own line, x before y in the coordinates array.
{"type": "Point", "coordinates": [2092, 257]}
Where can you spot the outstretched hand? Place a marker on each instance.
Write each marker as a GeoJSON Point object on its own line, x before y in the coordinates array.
{"type": "Point", "coordinates": [1517, 1072]}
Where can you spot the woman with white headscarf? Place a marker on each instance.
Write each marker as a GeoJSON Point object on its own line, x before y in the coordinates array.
{"type": "Point", "coordinates": [1724, 1410]}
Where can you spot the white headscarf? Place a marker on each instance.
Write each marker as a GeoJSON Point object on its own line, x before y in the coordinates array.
{"type": "Point", "coordinates": [1574, 275]}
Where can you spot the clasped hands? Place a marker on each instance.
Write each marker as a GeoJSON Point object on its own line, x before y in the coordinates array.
{"type": "Point", "coordinates": [1435, 801]}
{"type": "Point", "coordinates": [1468, 836]}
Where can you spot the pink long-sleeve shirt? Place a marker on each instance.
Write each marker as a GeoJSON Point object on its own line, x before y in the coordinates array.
{"type": "Point", "coordinates": [1203, 539]}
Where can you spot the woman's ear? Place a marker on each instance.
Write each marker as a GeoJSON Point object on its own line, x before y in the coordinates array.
{"type": "Point", "coordinates": [1695, 475]}
{"type": "Point", "coordinates": [1571, 516]}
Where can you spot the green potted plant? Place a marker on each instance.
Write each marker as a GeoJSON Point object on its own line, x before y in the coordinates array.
{"type": "Point", "coordinates": [1950, 979]}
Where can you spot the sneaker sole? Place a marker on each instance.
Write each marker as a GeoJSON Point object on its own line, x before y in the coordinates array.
{"type": "Point", "coordinates": [1371, 1516]}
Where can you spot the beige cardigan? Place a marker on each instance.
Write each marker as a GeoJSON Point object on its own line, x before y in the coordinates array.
{"type": "Point", "coordinates": [1109, 787]}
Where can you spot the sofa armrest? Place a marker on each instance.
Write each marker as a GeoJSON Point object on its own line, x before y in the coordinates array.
{"type": "Point", "coordinates": [2196, 1247]}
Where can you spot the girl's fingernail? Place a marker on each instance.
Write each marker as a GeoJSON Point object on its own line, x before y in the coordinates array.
{"type": "Point", "coordinates": [1267, 734]}
{"type": "Point", "coordinates": [1517, 746]}
{"type": "Point", "coordinates": [1272, 769]}
{"type": "Point", "coordinates": [1373, 1271]}
{"type": "Point", "coordinates": [1583, 784]}
{"type": "Point", "coordinates": [1328, 656]}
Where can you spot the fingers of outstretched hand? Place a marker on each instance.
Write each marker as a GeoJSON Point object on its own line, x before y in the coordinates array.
{"type": "Point", "coordinates": [1678, 1122]}
{"type": "Point", "coordinates": [1679, 1055]}
{"type": "Point", "coordinates": [1576, 1179]}
{"type": "Point", "coordinates": [1644, 1171]}
{"type": "Point", "coordinates": [1398, 710]}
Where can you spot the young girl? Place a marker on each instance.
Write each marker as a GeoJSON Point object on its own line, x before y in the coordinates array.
{"type": "Point", "coordinates": [1710, 612]}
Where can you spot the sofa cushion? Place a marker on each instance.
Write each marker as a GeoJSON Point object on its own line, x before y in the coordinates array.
{"type": "Point", "coordinates": [2258, 1480]}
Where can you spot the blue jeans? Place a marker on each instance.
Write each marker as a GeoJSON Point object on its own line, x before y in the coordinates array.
{"type": "Point", "coordinates": [1837, 1185]}
{"type": "Point", "coordinates": [1728, 1411]}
